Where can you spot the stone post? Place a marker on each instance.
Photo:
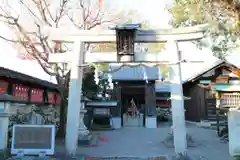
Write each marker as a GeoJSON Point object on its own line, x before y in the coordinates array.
{"type": "Point", "coordinates": [82, 130]}
{"type": "Point", "coordinates": [234, 132]}
{"type": "Point", "coordinates": [4, 122]}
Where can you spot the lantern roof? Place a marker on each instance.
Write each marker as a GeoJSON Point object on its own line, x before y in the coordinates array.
{"type": "Point", "coordinates": [126, 26]}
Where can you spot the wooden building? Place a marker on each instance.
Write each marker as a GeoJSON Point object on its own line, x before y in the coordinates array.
{"type": "Point", "coordinates": [28, 89]}
{"type": "Point", "coordinates": [137, 99]}
{"type": "Point", "coordinates": [37, 101]}
{"type": "Point", "coordinates": [202, 105]}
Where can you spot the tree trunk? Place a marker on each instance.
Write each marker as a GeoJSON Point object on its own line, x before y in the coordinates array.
{"type": "Point", "coordinates": [62, 127]}
{"type": "Point", "coordinates": [63, 114]}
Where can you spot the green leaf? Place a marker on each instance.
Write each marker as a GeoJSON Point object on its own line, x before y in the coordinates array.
{"type": "Point", "coordinates": [102, 66]}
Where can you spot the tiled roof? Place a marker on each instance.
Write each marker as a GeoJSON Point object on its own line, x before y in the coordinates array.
{"type": "Point", "coordinates": [135, 73]}
{"type": "Point", "coordinates": [204, 69]}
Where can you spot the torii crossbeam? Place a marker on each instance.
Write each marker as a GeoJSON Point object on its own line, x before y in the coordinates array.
{"type": "Point", "coordinates": [79, 37]}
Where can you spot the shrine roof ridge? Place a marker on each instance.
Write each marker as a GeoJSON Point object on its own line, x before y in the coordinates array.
{"type": "Point", "coordinates": [208, 68]}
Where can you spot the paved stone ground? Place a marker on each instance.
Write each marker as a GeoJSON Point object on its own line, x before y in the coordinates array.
{"type": "Point", "coordinates": [141, 143]}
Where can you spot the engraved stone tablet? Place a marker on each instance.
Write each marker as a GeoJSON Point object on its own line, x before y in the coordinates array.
{"type": "Point", "coordinates": [33, 139]}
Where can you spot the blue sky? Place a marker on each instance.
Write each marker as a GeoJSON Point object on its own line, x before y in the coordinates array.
{"type": "Point", "coordinates": [153, 10]}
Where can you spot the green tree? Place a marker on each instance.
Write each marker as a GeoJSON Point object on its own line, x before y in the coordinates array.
{"type": "Point", "coordinates": [223, 16]}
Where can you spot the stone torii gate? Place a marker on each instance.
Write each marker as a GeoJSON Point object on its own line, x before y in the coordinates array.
{"type": "Point", "coordinates": [76, 60]}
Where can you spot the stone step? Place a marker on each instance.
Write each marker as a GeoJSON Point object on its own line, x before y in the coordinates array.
{"type": "Point", "coordinates": [214, 118]}
{"type": "Point", "coordinates": [220, 124]}
{"type": "Point", "coordinates": [214, 115]}
{"type": "Point", "coordinates": [211, 110]}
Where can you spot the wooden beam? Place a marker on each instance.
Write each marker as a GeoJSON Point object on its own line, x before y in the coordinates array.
{"type": "Point", "coordinates": [110, 57]}
{"type": "Point", "coordinates": [145, 36]}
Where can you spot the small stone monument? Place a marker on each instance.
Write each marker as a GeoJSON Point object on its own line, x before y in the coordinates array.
{"type": "Point", "coordinates": [33, 139]}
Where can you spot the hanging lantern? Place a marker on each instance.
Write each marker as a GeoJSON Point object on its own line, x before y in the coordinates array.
{"type": "Point", "coordinates": [125, 38]}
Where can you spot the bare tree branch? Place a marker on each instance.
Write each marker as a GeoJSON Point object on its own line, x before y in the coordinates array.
{"type": "Point", "coordinates": [9, 40]}
{"type": "Point", "coordinates": [42, 13]}
{"type": "Point", "coordinates": [61, 13]}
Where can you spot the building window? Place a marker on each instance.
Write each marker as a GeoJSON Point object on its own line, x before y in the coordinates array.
{"type": "Point", "coordinates": [230, 99]}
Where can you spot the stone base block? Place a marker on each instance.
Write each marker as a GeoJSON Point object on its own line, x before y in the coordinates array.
{"type": "Point", "coordinates": [116, 122]}
{"type": "Point", "coordinates": [84, 140]}
{"type": "Point", "coordinates": [151, 122]}
{"type": "Point", "coordinates": [234, 131]}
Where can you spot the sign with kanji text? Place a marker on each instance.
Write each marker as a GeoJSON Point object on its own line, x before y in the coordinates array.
{"type": "Point", "coordinates": [33, 139]}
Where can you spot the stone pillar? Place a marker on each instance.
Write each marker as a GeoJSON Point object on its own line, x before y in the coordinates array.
{"type": "Point", "coordinates": [4, 121]}
{"type": "Point", "coordinates": [177, 99]}
{"type": "Point", "coordinates": [74, 98]}
{"type": "Point", "coordinates": [234, 131]}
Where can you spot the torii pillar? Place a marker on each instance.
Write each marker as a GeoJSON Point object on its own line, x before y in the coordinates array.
{"type": "Point", "coordinates": [177, 100]}
{"type": "Point", "coordinates": [172, 35]}
{"type": "Point", "coordinates": [74, 98]}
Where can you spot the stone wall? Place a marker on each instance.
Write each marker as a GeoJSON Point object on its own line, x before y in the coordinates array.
{"type": "Point", "coordinates": [33, 114]}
